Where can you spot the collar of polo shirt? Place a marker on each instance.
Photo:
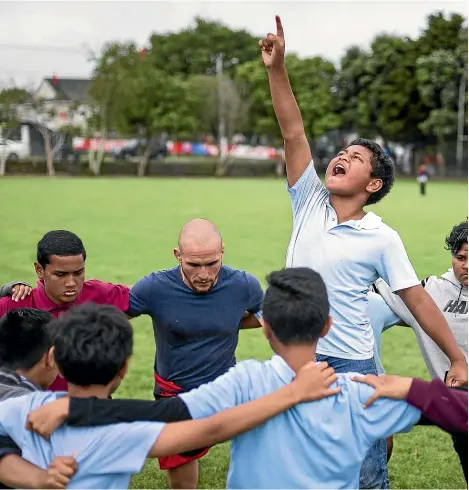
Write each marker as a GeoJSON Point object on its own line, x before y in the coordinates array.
{"type": "Point", "coordinates": [370, 221]}
{"type": "Point", "coordinates": [285, 372]}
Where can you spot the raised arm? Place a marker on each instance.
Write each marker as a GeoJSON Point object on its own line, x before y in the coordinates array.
{"type": "Point", "coordinates": [297, 150]}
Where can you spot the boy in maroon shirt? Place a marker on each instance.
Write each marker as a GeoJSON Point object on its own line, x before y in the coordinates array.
{"type": "Point", "coordinates": [60, 268]}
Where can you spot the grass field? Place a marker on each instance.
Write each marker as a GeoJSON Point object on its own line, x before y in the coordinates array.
{"type": "Point", "coordinates": [130, 226]}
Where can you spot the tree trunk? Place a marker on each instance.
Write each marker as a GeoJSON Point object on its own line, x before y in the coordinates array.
{"type": "Point", "coordinates": [143, 163]}
{"type": "Point", "coordinates": [3, 164]}
{"type": "Point", "coordinates": [49, 154]}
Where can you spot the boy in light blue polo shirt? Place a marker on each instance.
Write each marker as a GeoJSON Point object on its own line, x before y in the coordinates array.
{"type": "Point", "coordinates": [313, 445]}
{"type": "Point", "coordinates": [92, 347]}
{"type": "Point", "coordinates": [349, 247]}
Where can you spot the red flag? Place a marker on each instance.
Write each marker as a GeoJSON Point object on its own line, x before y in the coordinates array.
{"type": "Point", "coordinates": [54, 80]}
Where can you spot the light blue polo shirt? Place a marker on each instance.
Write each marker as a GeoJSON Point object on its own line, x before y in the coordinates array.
{"type": "Point", "coordinates": [320, 444]}
{"type": "Point", "coordinates": [382, 318]}
{"type": "Point", "coordinates": [350, 257]}
{"type": "Point", "coordinates": [107, 456]}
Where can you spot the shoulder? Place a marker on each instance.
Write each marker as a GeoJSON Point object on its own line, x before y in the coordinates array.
{"type": "Point", "coordinates": [7, 304]}
{"type": "Point", "coordinates": [239, 276]}
{"type": "Point", "coordinates": [157, 279]}
{"type": "Point", "coordinates": [95, 285]}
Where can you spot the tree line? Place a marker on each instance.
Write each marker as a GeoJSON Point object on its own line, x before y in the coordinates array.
{"type": "Point", "coordinates": [184, 83]}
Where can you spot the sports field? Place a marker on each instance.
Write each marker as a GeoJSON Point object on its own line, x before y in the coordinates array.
{"type": "Point", "coordinates": [130, 226]}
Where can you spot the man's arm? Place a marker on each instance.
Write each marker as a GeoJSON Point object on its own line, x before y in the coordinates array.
{"type": "Point", "coordinates": [254, 304]}
{"type": "Point", "coordinates": [297, 149]}
{"type": "Point", "coordinates": [311, 383]}
{"type": "Point", "coordinates": [432, 321]}
{"type": "Point", "coordinates": [250, 320]}
{"type": "Point", "coordinates": [446, 407]}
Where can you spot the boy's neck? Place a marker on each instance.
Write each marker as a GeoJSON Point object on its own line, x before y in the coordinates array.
{"type": "Point", "coordinates": [30, 375]}
{"type": "Point", "coordinates": [93, 391]}
{"type": "Point", "coordinates": [347, 208]}
{"type": "Point", "coordinates": [297, 356]}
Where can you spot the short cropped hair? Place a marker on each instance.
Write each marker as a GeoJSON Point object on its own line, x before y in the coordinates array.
{"type": "Point", "coordinates": [296, 305]}
{"type": "Point", "coordinates": [59, 242]}
{"type": "Point", "coordinates": [25, 336]}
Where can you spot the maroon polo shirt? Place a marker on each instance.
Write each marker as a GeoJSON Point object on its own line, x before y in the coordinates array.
{"type": "Point", "coordinates": [95, 291]}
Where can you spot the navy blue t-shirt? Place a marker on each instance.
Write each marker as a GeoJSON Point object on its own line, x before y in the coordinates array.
{"type": "Point", "coordinates": [196, 334]}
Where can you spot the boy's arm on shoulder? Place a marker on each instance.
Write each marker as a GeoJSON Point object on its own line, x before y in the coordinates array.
{"type": "Point", "coordinates": [227, 391]}
{"type": "Point", "coordinates": [186, 436]}
{"type": "Point", "coordinates": [383, 418]}
{"type": "Point", "coordinates": [140, 296]}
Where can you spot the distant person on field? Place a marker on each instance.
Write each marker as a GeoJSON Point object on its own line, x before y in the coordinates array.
{"type": "Point", "coordinates": [349, 247]}
{"type": "Point", "coordinates": [422, 179]}
{"type": "Point", "coordinates": [92, 348]}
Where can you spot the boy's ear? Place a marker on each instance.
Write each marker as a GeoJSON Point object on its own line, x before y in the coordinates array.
{"type": "Point", "coordinates": [50, 359]}
{"type": "Point", "coordinates": [125, 368]}
{"type": "Point", "coordinates": [326, 327]}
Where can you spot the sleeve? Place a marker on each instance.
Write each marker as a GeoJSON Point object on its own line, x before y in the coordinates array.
{"type": "Point", "coordinates": [140, 295]}
{"type": "Point", "coordinates": [4, 305]}
{"type": "Point", "coordinates": [5, 289]}
{"type": "Point", "coordinates": [381, 316]}
{"type": "Point", "coordinates": [307, 187]}
{"type": "Point", "coordinates": [394, 266]}
{"type": "Point", "coordinates": [383, 418]}
{"type": "Point", "coordinates": [13, 413]}
{"type": "Point", "coordinates": [256, 294]}
{"type": "Point", "coordinates": [227, 391]}
{"type": "Point", "coordinates": [395, 303]}
{"type": "Point", "coordinates": [446, 407]}
{"type": "Point", "coordinates": [8, 446]}
{"type": "Point", "coordinates": [85, 412]}
{"type": "Point", "coordinates": [119, 448]}
{"type": "Point", "coordinates": [117, 295]}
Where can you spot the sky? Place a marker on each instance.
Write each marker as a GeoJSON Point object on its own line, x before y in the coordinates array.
{"type": "Point", "coordinates": [28, 30]}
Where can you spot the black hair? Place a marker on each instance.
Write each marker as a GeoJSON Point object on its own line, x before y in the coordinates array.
{"type": "Point", "coordinates": [296, 305]}
{"type": "Point", "coordinates": [382, 167]}
{"type": "Point", "coordinates": [92, 344]}
{"type": "Point", "coordinates": [457, 238]}
{"type": "Point", "coordinates": [24, 337]}
{"type": "Point", "coordinates": [59, 242]}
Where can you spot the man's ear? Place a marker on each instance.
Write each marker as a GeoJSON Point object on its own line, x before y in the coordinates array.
{"type": "Point", "coordinates": [177, 255]}
{"type": "Point", "coordinates": [326, 327]}
{"type": "Point", "coordinates": [124, 369]}
{"type": "Point", "coordinates": [39, 270]}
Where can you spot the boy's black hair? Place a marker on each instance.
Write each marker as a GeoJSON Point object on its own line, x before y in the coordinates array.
{"type": "Point", "coordinates": [296, 305]}
{"type": "Point", "coordinates": [457, 238]}
{"type": "Point", "coordinates": [59, 242]}
{"type": "Point", "coordinates": [92, 344]}
{"type": "Point", "coordinates": [25, 337]}
{"type": "Point", "coordinates": [382, 168]}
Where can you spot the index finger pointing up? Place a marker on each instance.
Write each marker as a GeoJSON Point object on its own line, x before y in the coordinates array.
{"type": "Point", "coordinates": [279, 26]}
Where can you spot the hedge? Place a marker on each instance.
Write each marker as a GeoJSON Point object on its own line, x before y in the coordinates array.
{"type": "Point", "coordinates": [199, 168]}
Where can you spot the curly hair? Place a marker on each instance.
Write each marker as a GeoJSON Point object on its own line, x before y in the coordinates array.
{"type": "Point", "coordinates": [457, 238]}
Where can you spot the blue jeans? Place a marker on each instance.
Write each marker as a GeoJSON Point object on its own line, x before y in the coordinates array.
{"type": "Point", "coordinates": [374, 470]}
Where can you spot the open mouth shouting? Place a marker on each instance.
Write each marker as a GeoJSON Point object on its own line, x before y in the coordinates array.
{"type": "Point", "coordinates": [339, 169]}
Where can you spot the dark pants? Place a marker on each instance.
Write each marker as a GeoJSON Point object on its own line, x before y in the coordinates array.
{"type": "Point", "coordinates": [423, 188]}
{"type": "Point", "coordinates": [460, 446]}
{"type": "Point", "coordinates": [374, 470]}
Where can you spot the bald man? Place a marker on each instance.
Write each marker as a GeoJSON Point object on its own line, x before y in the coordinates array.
{"type": "Point", "coordinates": [197, 308]}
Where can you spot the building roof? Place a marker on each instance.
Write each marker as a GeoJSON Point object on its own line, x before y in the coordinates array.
{"type": "Point", "coordinates": [75, 89]}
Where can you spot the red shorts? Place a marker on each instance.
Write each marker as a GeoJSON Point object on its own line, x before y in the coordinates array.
{"type": "Point", "coordinates": [168, 389]}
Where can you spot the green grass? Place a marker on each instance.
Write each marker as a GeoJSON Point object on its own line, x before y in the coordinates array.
{"type": "Point", "coordinates": [130, 227]}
